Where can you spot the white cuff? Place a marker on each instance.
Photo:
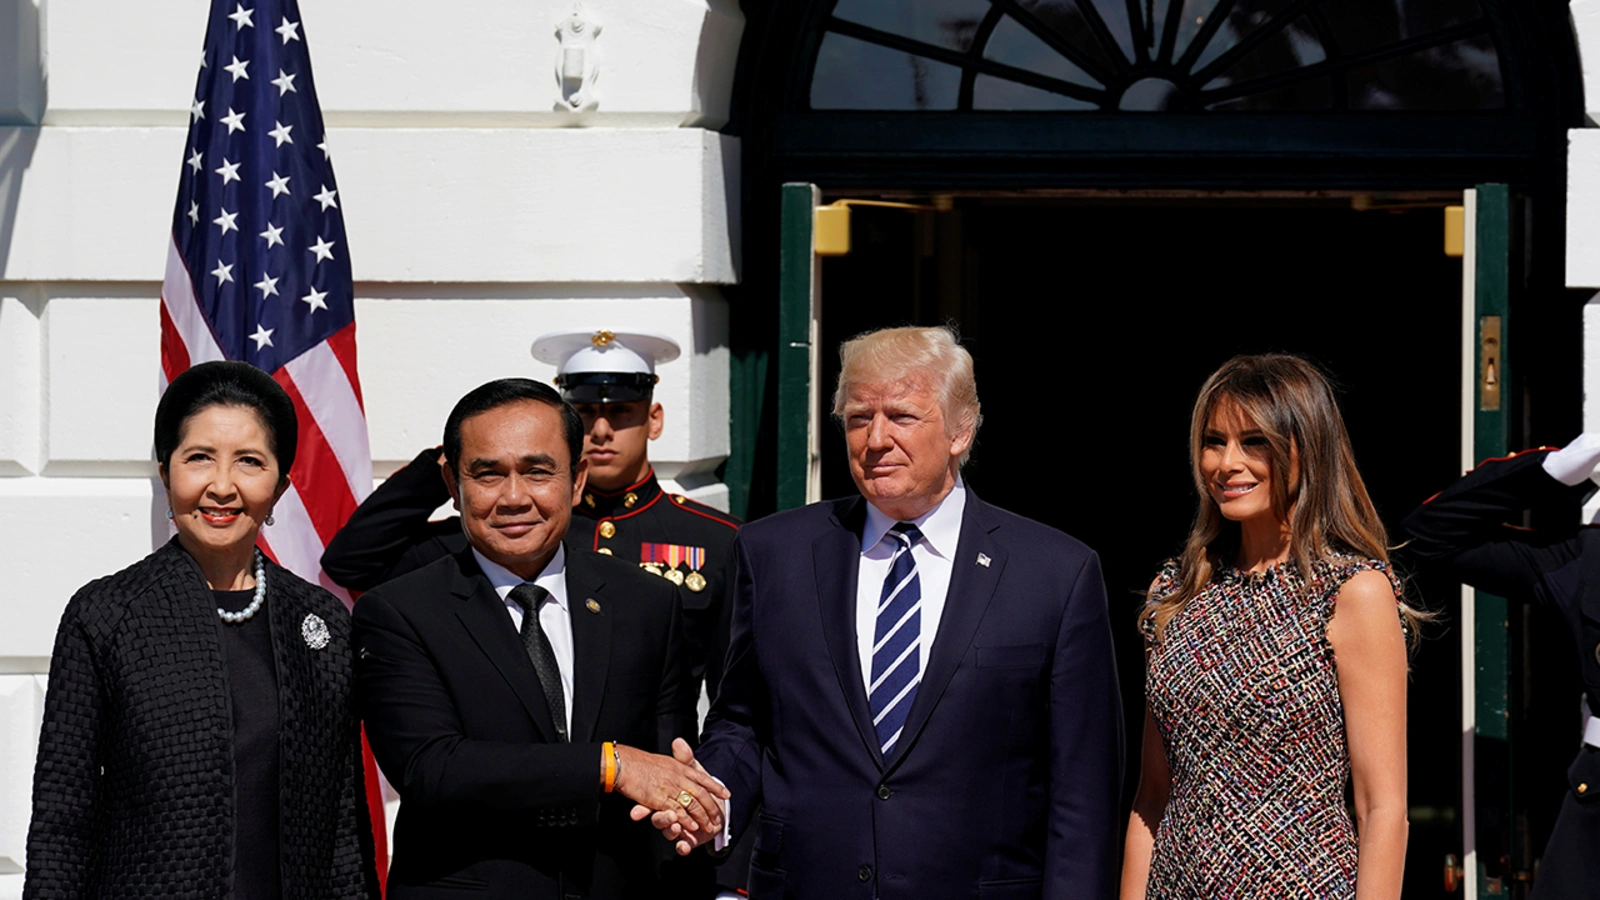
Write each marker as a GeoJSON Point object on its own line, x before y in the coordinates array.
{"type": "Point", "coordinates": [1573, 463]}
{"type": "Point", "coordinates": [722, 840]}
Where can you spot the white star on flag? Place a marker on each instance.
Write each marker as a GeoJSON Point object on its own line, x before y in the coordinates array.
{"type": "Point", "coordinates": [279, 184]}
{"type": "Point", "coordinates": [237, 68]}
{"type": "Point", "coordinates": [274, 235]}
{"type": "Point", "coordinates": [262, 337]}
{"type": "Point", "coordinates": [326, 198]}
{"type": "Point", "coordinates": [322, 248]}
{"type": "Point", "coordinates": [229, 171]}
{"type": "Point", "coordinates": [280, 134]}
{"type": "Point", "coordinates": [289, 30]}
{"type": "Point", "coordinates": [234, 120]}
{"type": "Point", "coordinates": [314, 300]}
{"type": "Point", "coordinates": [324, 147]}
{"type": "Point", "coordinates": [198, 110]}
{"type": "Point", "coordinates": [226, 221]}
{"type": "Point", "coordinates": [223, 272]}
{"type": "Point", "coordinates": [194, 161]}
{"type": "Point", "coordinates": [194, 213]}
{"type": "Point", "coordinates": [284, 83]}
{"type": "Point", "coordinates": [267, 286]}
{"type": "Point", "coordinates": [241, 16]}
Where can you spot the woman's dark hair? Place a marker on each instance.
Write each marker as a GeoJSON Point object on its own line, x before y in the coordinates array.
{"type": "Point", "coordinates": [227, 383]}
{"type": "Point", "coordinates": [505, 391]}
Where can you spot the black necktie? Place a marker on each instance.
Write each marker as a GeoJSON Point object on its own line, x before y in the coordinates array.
{"type": "Point", "coordinates": [529, 596]}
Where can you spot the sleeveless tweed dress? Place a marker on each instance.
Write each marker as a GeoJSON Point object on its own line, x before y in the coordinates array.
{"type": "Point", "coordinates": [1244, 691]}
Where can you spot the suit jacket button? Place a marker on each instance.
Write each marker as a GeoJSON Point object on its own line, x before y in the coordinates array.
{"type": "Point", "coordinates": [864, 873]}
{"type": "Point", "coordinates": [883, 792]}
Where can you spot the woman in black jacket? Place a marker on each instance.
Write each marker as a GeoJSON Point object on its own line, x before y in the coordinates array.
{"type": "Point", "coordinates": [1463, 532]}
{"type": "Point", "coordinates": [198, 737]}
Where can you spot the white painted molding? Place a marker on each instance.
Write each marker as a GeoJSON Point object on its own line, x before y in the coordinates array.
{"type": "Point", "coordinates": [1586, 25]}
{"type": "Point", "coordinates": [578, 61]}
{"type": "Point", "coordinates": [667, 62]}
{"type": "Point", "coordinates": [448, 205]}
{"type": "Point", "coordinates": [1583, 208]}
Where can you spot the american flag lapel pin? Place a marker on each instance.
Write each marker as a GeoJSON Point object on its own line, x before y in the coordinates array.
{"type": "Point", "coordinates": [983, 560]}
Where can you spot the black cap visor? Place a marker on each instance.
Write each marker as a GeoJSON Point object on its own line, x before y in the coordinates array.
{"type": "Point", "coordinates": [606, 387]}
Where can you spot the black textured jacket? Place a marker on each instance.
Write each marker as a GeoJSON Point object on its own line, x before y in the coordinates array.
{"type": "Point", "coordinates": [133, 790]}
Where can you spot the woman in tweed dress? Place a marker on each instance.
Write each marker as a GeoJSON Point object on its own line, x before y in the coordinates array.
{"type": "Point", "coordinates": [198, 739]}
{"type": "Point", "coordinates": [1275, 663]}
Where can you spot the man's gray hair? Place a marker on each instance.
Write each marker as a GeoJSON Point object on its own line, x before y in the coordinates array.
{"type": "Point", "coordinates": [897, 354]}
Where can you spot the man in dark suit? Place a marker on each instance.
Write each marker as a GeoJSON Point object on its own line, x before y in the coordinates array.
{"type": "Point", "coordinates": [509, 690]}
{"type": "Point", "coordinates": [921, 688]}
{"type": "Point", "coordinates": [1463, 532]}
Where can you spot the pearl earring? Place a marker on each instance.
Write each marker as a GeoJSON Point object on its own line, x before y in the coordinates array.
{"type": "Point", "coordinates": [269, 518]}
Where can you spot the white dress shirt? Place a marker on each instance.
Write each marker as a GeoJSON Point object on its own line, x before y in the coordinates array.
{"type": "Point", "coordinates": [554, 617]}
{"type": "Point", "coordinates": [935, 559]}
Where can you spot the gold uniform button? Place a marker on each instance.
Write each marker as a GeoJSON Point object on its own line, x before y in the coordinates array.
{"type": "Point", "coordinates": [1583, 788]}
{"type": "Point", "coordinates": [630, 500]}
{"type": "Point", "coordinates": [589, 499]}
{"type": "Point", "coordinates": [679, 499]}
{"type": "Point", "coordinates": [608, 530]}
{"type": "Point", "coordinates": [605, 550]}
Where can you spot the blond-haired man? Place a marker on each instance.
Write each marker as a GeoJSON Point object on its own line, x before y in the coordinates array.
{"type": "Point", "coordinates": [921, 691]}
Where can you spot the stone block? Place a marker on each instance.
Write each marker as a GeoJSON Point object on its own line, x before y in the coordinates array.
{"type": "Point", "coordinates": [102, 376]}
{"type": "Point", "coordinates": [21, 386]}
{"type": "Point", "coordinates": [1583, 207]}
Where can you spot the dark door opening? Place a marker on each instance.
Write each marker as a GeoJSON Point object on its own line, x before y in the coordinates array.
{"type": "Point", "coordinates": [1093, 323]}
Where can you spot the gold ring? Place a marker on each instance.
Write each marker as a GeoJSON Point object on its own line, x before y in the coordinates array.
{"type": "Point", "coordinates": [685, 798]}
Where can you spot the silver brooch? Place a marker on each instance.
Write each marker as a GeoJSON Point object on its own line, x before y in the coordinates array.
{"type": "Point", "coordinates": [315, 631]}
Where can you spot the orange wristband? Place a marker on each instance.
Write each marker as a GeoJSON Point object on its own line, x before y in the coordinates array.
{"type": "Point", "coordinates": [608, 753]}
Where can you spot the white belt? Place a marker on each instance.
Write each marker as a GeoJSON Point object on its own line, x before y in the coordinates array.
{"type": "Point", "coordinates": [1591, 731]}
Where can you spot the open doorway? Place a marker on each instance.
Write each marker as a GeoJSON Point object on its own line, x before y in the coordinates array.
{"type": "Point", "coordinates": [1093, 320]}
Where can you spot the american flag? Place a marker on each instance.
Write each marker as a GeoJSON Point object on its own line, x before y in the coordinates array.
{"type": "Point", "coordinates": [258, 268]}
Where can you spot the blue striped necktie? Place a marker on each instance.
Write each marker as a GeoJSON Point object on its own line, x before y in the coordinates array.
{"type": "Point", "coordinates": [897, 641]}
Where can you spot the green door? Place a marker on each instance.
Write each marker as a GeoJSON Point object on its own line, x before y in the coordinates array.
{"type": "Point", "coordinates": [799, 478]}
{"type": "Point", "coordinates": [1496, 856]}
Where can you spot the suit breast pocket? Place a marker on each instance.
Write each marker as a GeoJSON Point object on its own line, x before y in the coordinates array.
{"type": "Point", "coordinates": [1010, 656]}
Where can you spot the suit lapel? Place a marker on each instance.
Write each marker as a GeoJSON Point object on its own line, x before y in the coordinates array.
{"type": "Point", "coordinates": [591, 643]}
{"type": "Point", "coordinates": [972, 586]}
{"type": "Point", "coordinates": [484, 615]}
{"type": "Point", "coordinates": [836, 557]}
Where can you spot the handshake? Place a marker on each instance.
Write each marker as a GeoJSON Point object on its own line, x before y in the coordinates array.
{"type": "Point", "coordinates": [683, 801]}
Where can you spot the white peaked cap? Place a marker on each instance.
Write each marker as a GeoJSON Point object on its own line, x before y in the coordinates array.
{"type": "Point", "coordinates": [602, 350]}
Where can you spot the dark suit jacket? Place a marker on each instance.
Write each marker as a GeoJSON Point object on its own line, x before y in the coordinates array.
{"type": "Point", "coordinates": [1006, 780]}
{"type": "Point", "coordinates": [1463, 532]}
{"type": "Point", "coordinates": [491, 806]}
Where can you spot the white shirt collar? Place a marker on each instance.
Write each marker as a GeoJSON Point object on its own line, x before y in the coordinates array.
{"type": "Point", "coordinates": [552, 577]}
{"type": "Point", "coordinates": [940, 526]}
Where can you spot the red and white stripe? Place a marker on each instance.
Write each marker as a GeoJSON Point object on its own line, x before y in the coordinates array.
{"type": "Point", "coordinates": [332, 470]}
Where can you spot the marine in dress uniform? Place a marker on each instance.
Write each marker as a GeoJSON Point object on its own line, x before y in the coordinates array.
{"type": "Point", "coordinates": [1463, 532]}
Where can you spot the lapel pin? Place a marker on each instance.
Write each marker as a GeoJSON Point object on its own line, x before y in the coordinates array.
{"type": "Point", "coordinates": [315, 631]}
{"type": "Point", "coordinates": [592, 605]}
{"type": "Point", "coordinates": [983, 560]}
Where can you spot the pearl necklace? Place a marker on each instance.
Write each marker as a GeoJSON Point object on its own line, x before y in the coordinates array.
{"type": "Point", "coordinates": [244, 615]}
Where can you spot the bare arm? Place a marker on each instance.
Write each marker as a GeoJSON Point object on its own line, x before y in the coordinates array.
{"type": "Point", "coordinates": [1370, 649]}
{"type": "Point", "coordinates": [1149, 804]}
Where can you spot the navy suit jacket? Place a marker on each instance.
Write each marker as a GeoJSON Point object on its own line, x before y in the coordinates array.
{"type": "Point", "coordinates": [1006, 780]}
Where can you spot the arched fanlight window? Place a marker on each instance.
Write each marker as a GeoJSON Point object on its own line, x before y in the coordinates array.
{"type": "Point", "coordinates": [1157, 55]}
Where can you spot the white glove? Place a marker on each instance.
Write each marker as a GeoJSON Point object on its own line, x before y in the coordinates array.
{"type": "Point", "coordinates": [1576, 461]}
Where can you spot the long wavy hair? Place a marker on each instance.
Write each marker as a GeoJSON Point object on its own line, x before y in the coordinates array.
{"type": "Point", "coordinates": [1327, 507]}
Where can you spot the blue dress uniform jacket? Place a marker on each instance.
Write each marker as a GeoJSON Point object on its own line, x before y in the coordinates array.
{"type": "Point", "coordinates": [1462, 531]}
{"type": "Point", "coordinates": [1006, 779]}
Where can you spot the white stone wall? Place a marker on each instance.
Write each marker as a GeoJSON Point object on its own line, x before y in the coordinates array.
{"type": "Point", "coordinates": [481, 212]}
